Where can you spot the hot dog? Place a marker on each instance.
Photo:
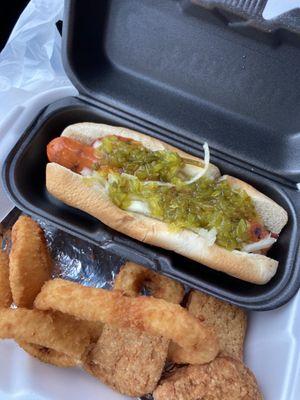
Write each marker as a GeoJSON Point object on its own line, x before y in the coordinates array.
{"type": "Point", "coordinates": [163, 196]}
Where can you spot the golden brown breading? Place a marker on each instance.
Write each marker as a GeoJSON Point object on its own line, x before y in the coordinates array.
{"type": "Point", "coordinates": [48, 356]}
{"type": "Point", "coordinates": [57, 331]}
{"type": "Point", "coordinates": [224, 378]}
{"type": "Point", "coordinates": [130, 362]}
{"type": "Point", "coordinates": [94, 329]}
{"type": "Point", "coordinates": [153, 316]}
{"type": "Point", "coordinates": [229, 321]}
{"type": "Point", "coordinates": [29, 261]}
{"type": "Point", "coordinates": [133, 277]}
{"type": "Point", "coordinates": [59, 359]}
{"type": "Point", "coordinates": [5, 292]}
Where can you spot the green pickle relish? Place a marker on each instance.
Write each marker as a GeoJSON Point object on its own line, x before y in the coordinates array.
{"type": "Point", "coordinates": [132, 158]}
{"type": "Point", "coordinates": [206, 203]}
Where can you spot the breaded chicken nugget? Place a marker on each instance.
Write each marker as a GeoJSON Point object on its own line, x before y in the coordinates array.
{"type": "Point", "coordinates": [229, 321]}
{"type": "Point", "coordinates": [29, 261]}
{"type": "Point", "coordinates": [5, 292]}
{"type": "Point", "coordinates": [224, 378]}
{"type": "Point", "coordinates": [129, 361]}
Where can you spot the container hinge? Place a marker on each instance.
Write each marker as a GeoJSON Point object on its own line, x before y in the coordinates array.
{"type": "Point", "coordinates": [248, 17]}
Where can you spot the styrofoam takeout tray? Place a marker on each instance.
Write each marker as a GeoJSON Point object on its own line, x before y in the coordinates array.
{"type": "Point", "coordinates": [272, 343]}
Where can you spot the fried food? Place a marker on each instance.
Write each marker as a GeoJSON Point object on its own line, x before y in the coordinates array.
{"type": "Point", "coordinates": [133, 277]}
{"type": "Point", "coordinates": [229, 321]}
{"type": "Point", "coordinates": [30, 267]}
{"type": "Point", "coordinates": [55, 331]}
{"type": "Point", "coordinates": [49, 356]}
{"type": "Point", "coordinates": [29, 261]}
{"type": "Point", "coordinates": [224, 378]}
{"type": "Point", "coordinates": [184, 355]}
{"type": "Point", "coordinates": [59, 359]}
{"type": "Point", "coordinates": [129, 361]}
{"type": "Point", "coordinates": [5, 292]}
{"type": "Point", "coordinates": [94, 329]}
{"type": "Point", "coordinates": [147, 314]}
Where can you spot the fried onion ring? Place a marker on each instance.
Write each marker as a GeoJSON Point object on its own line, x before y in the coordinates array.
{"type": "Point", "coordinates": [49, 356]}
{"type": "Point", "coordinates": [5, 292]}
{"type": "Point", "coordinates": [94, 329]}
{"type": "Point", "coordinates": [133, 277]}
{"type": "Point", "coordinates": [157, 317]}
{"type": "Point", "coordinates": [29, 261]}
{"type": "Point", "coordinates": [59, 359]}
{"type": "Point", "coordinates": [56, 331]}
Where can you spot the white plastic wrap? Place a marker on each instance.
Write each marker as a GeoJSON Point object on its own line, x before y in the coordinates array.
{"type": "Point", "coordinates": [274, 8]}
{"type": "Point", "coordinates": [31, 62]}
{"type": "Point", "coordinates": [31, 74]}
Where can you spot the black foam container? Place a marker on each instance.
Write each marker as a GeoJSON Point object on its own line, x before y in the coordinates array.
{"type": "Point", "coordinates": [178, 71]}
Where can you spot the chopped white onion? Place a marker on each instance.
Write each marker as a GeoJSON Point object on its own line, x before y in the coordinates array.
{"type": "Point", "coordinates": [86, 172]}
{"type": "Point", "coordinates": [128, 175]}
{"type": "Point", "coordinates": [262, 244]}
{"type": "Point", "coordinates": [111, 178]}
{"type": "Point", "coordinates": [97, 144]}
{"type": "Point", "coordinates": [190, 170]}
{"type": "Point", "coordinates": [140, 207]}
{"type": "Point", "coordinates": [206, 165]}
{"type": "Point", "coordinates": [93, 179]}
{"type": "Point", "coordinates": [209, 235]}
{"type": "Point", "coordinates": [158, 183]}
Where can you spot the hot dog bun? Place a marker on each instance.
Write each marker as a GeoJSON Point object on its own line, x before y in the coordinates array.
{"type": "Point", "coordinates": [70, 188]}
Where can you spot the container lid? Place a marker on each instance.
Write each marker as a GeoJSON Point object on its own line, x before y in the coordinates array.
{"type": "Point", "coordinates": [212, 71]}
